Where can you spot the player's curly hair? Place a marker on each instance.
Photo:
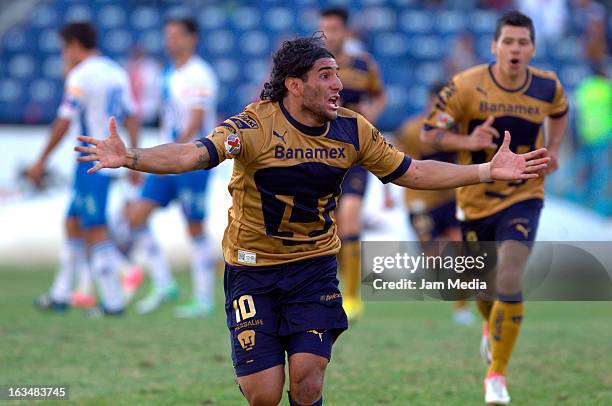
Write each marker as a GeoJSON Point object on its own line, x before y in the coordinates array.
{"type": "Point", "coordinates": [293, 60]}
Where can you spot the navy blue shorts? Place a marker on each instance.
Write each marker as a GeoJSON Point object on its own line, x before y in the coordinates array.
{"type": "Point", "coordinates": [435, 222]}
{"type": "Point", "coordinates": [518, 222]}
{"type": "Point", "coordinates": [355, 181]}
{"type": "Point", "coordinates": [289, 308]}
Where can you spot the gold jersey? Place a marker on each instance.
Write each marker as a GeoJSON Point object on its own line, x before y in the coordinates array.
{"type": "Point", "coordinates": [474, 95]}
{"type": "Point", "coordinates": [408, 141]}
{"type": "Point", "coordinates": [360, 78]}
{"type": "Point", "coordinates": [286, 180]}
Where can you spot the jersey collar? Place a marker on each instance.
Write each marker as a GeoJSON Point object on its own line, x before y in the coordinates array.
{"type": "Point", "coordinates": [518, 89]}
{"type": "Point", "coordinates": [301, 127]}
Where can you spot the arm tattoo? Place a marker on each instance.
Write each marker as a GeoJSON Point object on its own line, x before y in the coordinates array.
{"type": "Point", "coordinates": [132, 156]}
{"type": "Point", "coordinates": [203, 156]}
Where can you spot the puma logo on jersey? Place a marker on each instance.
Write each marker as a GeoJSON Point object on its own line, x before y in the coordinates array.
{"type": "Point", "coordinates": [523, 230]}
{"type": "Point", "coordinates": [282, 137]}
{"type": "Point", "coordinates": [281, 152]}
{"type": "Point", "coordinates": [317, 333]}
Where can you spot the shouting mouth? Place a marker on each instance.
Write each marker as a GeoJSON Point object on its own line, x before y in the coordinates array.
{"type": "Point", "coordinates": [333, 101]}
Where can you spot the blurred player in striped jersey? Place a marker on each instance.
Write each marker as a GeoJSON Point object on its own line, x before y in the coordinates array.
{"type": "Point", "coordinates": [96, 88]}
{"type": "Point", "coordinates": [364, 93]}
{"type": "Point", "coordinates": [482, 102]}
{"type": "Point", "coordinates": [432, 212]}
{"type": "Point", "coordinates": [189, 109]}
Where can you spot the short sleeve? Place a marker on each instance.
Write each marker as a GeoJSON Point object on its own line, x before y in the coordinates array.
{"type": "Point", "coordinates": [378, 156]}
{"type": "Point", "coordinates": [238, 137]}
{"type": "Point", "coordinates": [559, 105]}
{"type": "Point", "coordinates": [447, 110]}
{"type": "Point", "coordinates": [72, 100]}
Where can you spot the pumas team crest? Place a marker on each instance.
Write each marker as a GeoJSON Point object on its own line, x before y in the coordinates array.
{"type": "Point", "coordinates": [232, 144]}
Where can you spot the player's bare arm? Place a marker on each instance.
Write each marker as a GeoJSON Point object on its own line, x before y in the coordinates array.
{"type": "Point", "coordinates": [194, 125]}
{"type": "Point", "coordinates": [58, 130]}
{"type": "Point", "coordinates": [555, 131]}
{"type": "Point", "coordinates": [505, 166]}
{"type": "Point", "coordinates": [445, 140]}
{"type": "Point", "coordinates": [162, 159]}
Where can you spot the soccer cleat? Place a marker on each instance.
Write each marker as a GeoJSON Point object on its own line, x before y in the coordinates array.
{"type": "Point", "coordinates": [156, 297]}
{"type": "Point", "coordinates": [485, 345]}
{"type": "Point", "coordinates": [463, 317]}
{"type": "Point", "coordinates": [131, 280]}
{"type": "Point", "coordinates": [496, 392]}
{"type": "Point", "coordinates": [100, 311]}
{"type": "Point", "coordinates": [44, 302]}
{"type": "Point", "coordinates": [82, 300]}
{"type": "Point", "coordinates": [353, 307]}
{"type": "Point", "coordinates": [195, 308]}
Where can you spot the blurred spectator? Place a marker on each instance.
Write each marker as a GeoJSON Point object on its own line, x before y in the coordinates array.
{"type": "Point", "coordinates": [594, 126]}
{"type": "Point", "coordinates": [499, 5]}
{"type": "Point", "coordinates": [589, 19]}
{"type": "Point", "coordinates": [549, 16]}
{"type": "Point", "coordinates": [463, 55]}
{"type": "Point", "coordinates": [145, 81]}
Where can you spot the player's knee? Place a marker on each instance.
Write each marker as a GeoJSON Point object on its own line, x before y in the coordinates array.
{"type": "Point", "coordinates": [307, 386]}
{"type": "Point", "coordinates": [263, 396]}
{"type": "Point", "coordinates": [196, 229]}
{"type": "Point", "coordinates": [73, 227]}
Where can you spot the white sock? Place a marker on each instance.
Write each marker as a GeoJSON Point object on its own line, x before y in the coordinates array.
{"type": "Point", "coordinates": [153, 257]}
{"type": "Point", "coordinates": [84, 277]}
{"type": "Point", "coordinates": [73, 253]}
{"type": "Point", "coordinates": [104, 265]}
{"type": "Point", "coordinates": [202, 269]}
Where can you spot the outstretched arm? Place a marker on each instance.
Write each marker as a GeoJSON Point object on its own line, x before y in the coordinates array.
{"type": "Point", "coordinates": [504, 166]}
{"type": "Point", "coordinates": [162, 159]}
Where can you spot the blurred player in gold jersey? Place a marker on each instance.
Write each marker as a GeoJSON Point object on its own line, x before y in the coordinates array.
{"type": "Point", "coordinates": [291, 151]}
{"type": "Point", "coordinates": [432, 212]}
{"type": "Point", "coordinates": [364, 93]}
{"type": "Point", "coordinates": [482, 102]}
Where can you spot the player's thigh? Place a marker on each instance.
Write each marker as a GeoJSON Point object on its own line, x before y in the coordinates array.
{"type": "Point", "coordinates": [139, 211]}
{"type": "Point", "coordinates": [263, 387]}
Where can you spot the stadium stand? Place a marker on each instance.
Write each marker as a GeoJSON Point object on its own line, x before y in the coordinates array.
{"type": "Point", "coordinates": [405, 37]}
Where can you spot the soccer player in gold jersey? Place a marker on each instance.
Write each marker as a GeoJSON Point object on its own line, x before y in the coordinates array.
{"type": "Point", "coordinates": [291, 151]}
{"type": "Point", "coordinates": [363, 91]}
{"type": "Point", "coordinates": [482, 102]}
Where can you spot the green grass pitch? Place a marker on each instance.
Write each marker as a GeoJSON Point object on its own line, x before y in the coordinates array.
{"type": "Point", "coordinates": [399, 353]}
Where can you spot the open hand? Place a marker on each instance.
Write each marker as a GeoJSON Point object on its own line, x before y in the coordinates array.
{"type": "Point", "coordinates": [506, 165]}
{"type": "Point", "coordinates": [110, 152]}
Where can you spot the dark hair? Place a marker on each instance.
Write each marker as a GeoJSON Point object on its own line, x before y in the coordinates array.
{"type": "Point", "coordinates": [293, 59]}
{"type": "Point", "coordinates": [82, 32]}
{"type": "Point", "coordinates": [339, 12]}
{"type": "Point", "coordinates": [515, 19]}
{"type": "Point", "coordinates": [189, 24]}
{"type": "Point", "coordinates": [436, 88]}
